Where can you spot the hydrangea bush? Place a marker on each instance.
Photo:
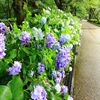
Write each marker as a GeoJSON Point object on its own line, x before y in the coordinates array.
{"type": "Point", "coordinates": [37, 56]}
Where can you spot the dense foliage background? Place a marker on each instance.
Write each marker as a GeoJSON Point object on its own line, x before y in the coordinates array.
{"type": "Point", "coordinates": [89, 9]}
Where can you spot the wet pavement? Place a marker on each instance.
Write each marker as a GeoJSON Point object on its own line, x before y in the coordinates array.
{"type": "Point", "coordinates": [87, 67]}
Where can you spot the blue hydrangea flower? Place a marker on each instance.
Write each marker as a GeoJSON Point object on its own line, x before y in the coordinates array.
{"type": "Point", "coordinates": [56, 46]}
{"type": "Point", "coordinates": [15, 69]}
{"type": "Point", "coordinates": [54, 73]}
{"type": "Point", "coordinates": [50, 40]}
{"type": "Point", "coordinates": [43, 20]}
{"type": "Point", "coordinates": [64, 38]}
{"type": "Point", "coordinates": [2, 46]}
{"type": "Point", "coordinates": [25, 38]}
{"type": "Point", "coordinates": [38, 93]}
{"type": "Point", "coordinates": [38, 34]}
{"type": "Point", "coordinates": [3, 28]}
{"type": "Point", "coordinates": [64, 90]}
{"type": "Point", "coordinates": [41, 68]}
{"type": "Point", "coordinates": [62, 59]}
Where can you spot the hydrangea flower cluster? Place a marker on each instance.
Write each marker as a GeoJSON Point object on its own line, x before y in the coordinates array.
{"type": "Point", "coordinates": [43, 20]}
{"type": "Point", "coordinates": [64, 90]}
{"type": "Point", "coordinates": [58, 88]}
{"type": "Point", "coordinates": [54, 73]}
{"type": "Point", "coordinates": [56, 46]}
{"type": "Point", "coordinates": [25, 38]}
{"type": "Point", "coordinates": [58, 76]}
{"type": "Point", "coordinates": [15, 69]}
{"type": "Point", "coordinates": [64, 38]}
{"type": "Point", "coordinates": [3, 28]}
{"type": "Point", "coordinates": [50, 40]}
{"type": "Point", "coordinates": [41, 68]}
{"type": "Point", "coordinates": [39, 93]}
{"type": "Point", "coordinates": [62, 59]}
{"type": "Point", "coordinates": [38, 34]}
{"type": "Point", "coordinates": [2, 46]}
{"type": "Point", "coordinates": [70, 46]}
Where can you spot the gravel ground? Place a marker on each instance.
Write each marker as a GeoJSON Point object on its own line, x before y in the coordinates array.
{"type": "Point", "coordinates": [87, 67]}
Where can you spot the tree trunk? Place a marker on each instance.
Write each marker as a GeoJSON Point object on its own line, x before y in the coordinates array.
{"type": "Point", "coordinates": [59, 4]}
{"type": "Point", "coordinates": [73, 10]}
{"type": "Point", "coordinates": [90, 13]}
{"type": "Point", "coordinates": [18, 10]}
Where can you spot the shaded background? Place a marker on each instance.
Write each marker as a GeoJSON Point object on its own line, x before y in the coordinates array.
{"type": "Point", "coordinates": [15, 9]}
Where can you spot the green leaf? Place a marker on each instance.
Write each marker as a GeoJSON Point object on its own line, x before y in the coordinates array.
{"type": "Point", "coordinates": [52, 96]}
{"type": "Point", "coordinates": [3, 67]}
{"type": "Point", "coordinates": [15, 28]}
{"type": "Point", "coordinates": [16, 86]}
{"type": "Point", "coordinates": [13, 54]}
{"type": "Point", "coordinates": [5, 93]}
{"type": "Point", "coordinates": [26, 50]}
{"type": "Point", "coordinates": [66, 96]}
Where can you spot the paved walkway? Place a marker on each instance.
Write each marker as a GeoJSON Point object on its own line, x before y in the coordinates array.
{"type": "Point", "coordinates": [87, 70]}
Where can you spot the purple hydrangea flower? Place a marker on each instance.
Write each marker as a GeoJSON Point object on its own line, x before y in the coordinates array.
{"type": "Point", "coordinates": [15, 69]}
{"type": "Point", "coordinates": [63, 73]}
{"type": "Point", "coordinates": [25, 38]}
{"type": "Point", "coordinates": [3, 28]}
{"type": "Point", "coordinates": [41, 68]}
{"type": "Point", "coordinates": [64, 90]}
{"type": "Point", "coordinates": [43, 20]}
{"type": "Point", "coordinates": [50, 40]}
{"type": "Point", "coordinates": [64, 38]}
{"type": "Point", "coordinates": [58, 77]}
{"type": "Point", "coordinates": [39, 93]}
{"type": "Point", "coordinates": [2, 46]}
{"type": "Point", "coordinates": [56, 46]}
{"type": "Point", "coordinates": [62, 59]}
